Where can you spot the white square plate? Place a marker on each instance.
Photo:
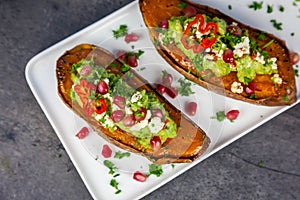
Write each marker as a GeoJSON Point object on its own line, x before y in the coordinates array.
{"type": "Point", "coordinates": [40, 74]}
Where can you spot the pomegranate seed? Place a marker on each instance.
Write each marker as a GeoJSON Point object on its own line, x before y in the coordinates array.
{"type": "Point", "coordinates": [190, 11]}
{"type": "Point", "coordinates": [228, 56]}
{"type": "Point", "coordinates": [235, 30]}
{"type": "Point", "coordinates": [158, 113]}
{"type": "Point", "coordinates": [167, 78]}
{"type": "Point", "coordinates": [121, 55]}
{"type": "Point", "coordinates": [232, 115]}
{"type": "Point", "coordinates": [164, 24]}
{"type": "Point", "coordinates": [155, 143]}
{"type": "Point", "coordinates": [139, 176]}
{"type": "Point", "coordinates": [161, 88]}
{"type": "Point", "coordinates": [102, 87]}
{"type": "Point", "coordinates": [191, 108]}
{"type": "Point", "coordinates": [250, 88]}
{"type": "Point", "coordinates": [128, 121]}
{"type": "Point", "coordinates": [172, 92]}
{"type": "Point", "coordinates": [83, 133]}
{"type": "Point", "coordinates": [85, 70]}
{"type": "Point", "coordinates": [106, 151]}
{"type": "Point", "coordinates": [295, 58]}
{"type": "Point", "coordinates": [141, 114]}
{"type": "Point", "coordinates": [119, 101]}
{"type": "Point", "coordinates": [132, 61]}
{"type": "Point", "coordinates": [117, 115]}
{"type": "Point", "coordinates": [132, 37]}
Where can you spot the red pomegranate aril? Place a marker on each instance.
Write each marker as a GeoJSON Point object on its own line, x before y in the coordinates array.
{"type": "Point", "coordinates": [102, 87]}
{"type": "Point", "coordinates": [167, 79]}
{"type": "Point", "coordinates": [121, 55]}
{"type": "Point", "coordinates": [141, 114]}
{"type": "Point", "coordinates": [250, 88]}
{"type": "Point", "coordinates": [190, 11]}
{"type": "Point", "coordinates": [132, 61]}
{"type": "Point", "coordinates": [117, 115]}
{"type": "Point", "coordinates": [132, 37]}
{"type": "Point", "coordinates": [106, 151]}
{"type": "Point", "coordinates": [161, 88]}
{"type": "Point", "coordinates": [139, 176]}
{"type": "Point", "coordinates": [155, 143]}
{"type": "Point", "coordinates": [158, 113]}
{"type": "Point", "coordinates": [83, 133]}
{"type": "Point", "coordinates": [172, 92]}
{"type": "Point", "coordinates": [235, 30]}
{"type": "Point", "coordinates": [295, 58]}
{"type": "Point", "coordinates": [85, 70]}
{"type": "Point", "coordinates": [232, 115]}
{"type": "Point", "coordinates": [119, 101]}
{"type": "Point", "coordinates": [164, 24]}
{"type": "Point", "coordinates": [228, 56]}
{"type": "Point", "coordinates": [128, 121]}
{"type": "Point", "coordinates": [191, 108]}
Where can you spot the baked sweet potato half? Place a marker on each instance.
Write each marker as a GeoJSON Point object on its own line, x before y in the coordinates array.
{"type": "Point", "coordinates": [124, 109]}
{"type": "Point", "coordinates": [220, 53]}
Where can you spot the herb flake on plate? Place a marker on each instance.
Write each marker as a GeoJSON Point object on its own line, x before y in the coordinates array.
{"type": "Point", "coordinates": [122, 31]}
{"type": "Point", "coordinates": [256, 5]}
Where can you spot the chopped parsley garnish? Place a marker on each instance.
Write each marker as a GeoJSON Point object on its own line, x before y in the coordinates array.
{"type": "Point", "coordinates": [268, 44]}
{"type": "Point", "coordinates": [115, 184]}
{"type": "Point", "coordinates": [286, 98]}
{"type": "Point", "coordinates": [256, 5]}
{"type": "Point", "coordinates": [155, 169]}
{"type": "Point", "coordinates": [292, 34]}
{"type": "Point", "coordinates": [229, 7]}
{"type": "Point", "coordinates": [185, 87]}
{"type": "Point", "coordinates": [221, 116]}
{"type": "Point", "coordinates": [125, 68]}
{"type": "Point", "coordinates": [122, 31]}
{"type": "Point", "coordinates": [121, 155]}
{"type": "Point", "coordinates": [111, 166]}
{"type": "Point", "coordinates": [270, 9]}
{"type": "Point", "coordinates": [281, 8]}
{"type": "Point", "coordinates": [262, 36]}
{"type": "Point", "coordinates": [181, 5]}
{"type": "Point", "coordinates": [277, 25]}
{"type": "Point", "coordinates": [296, 71]}
{"type": "Point", "coordinates": [260, 163]}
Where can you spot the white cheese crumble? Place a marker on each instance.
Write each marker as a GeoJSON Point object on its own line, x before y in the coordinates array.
{"type": "Point", "coordinates": [135, 97]}
{"type": "Point", "coordinates": [276, 79]}
{"type": "Point", "coordinates": [107, 122]}
{"type": "Point", "coordinates": [274, 64]}
{"type": "Point", "coordinates": [260, 58]}
{"type": "Point", "coordinates": [237, 87]}
{"type": "Point", "coordinates": [242, 48]}
{"type": "Point", "coordinates": [128, 110]}
{"type": "Point", "coordinates": [142, 124]}
{"type": "Point", "coordinates": [99, 116]}
{"type": "Point", "coordinates": [156, 125]}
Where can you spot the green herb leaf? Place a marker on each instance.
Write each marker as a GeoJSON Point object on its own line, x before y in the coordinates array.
{"type": "Point", "coordinates": [281, 8]}
{"type": "Point", "coordinates": [121, 155]}
{"type": "Point", "coordinates": [110, 166]}
{"type": "Point", "coordinates": [229, 7]}
{"type": "Point", "coordinates": [270, 9]}
{"type": "Point", "coordinates": [115, 184]}
{"type": "Point", "coordinates": [268, 44]}
{"type": "Point", "coordinates": [262, 36]}
{"type": "Point", "coordinates": [256, 5]}
{"type": "Point", "coordinates": [221, 116]}
{"type": "Point", "coordinates": [125, 68]}
{"type": "Point", "coordinates": [185, 87]}
{"type": "Point", "coordinates": [155, 169]}
{"type": "Point", "coordinates": [122, 31]}
{"type": "Point", "coordinates": [260, 163]}
{"type": "Point", "coordinates": [181, 5]}
{"type": "Point", "coordinates": [277, 25]}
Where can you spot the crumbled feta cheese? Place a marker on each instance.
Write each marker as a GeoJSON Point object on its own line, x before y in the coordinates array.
{"type": "Point", "coordinates": [243, 47]}
{"type": "Point", "coordinates": [135, 97]}
{"type": "Point", "coordinates": [274, 64]}
{"type": "Point", "coordinates": [108, 96]}
{"type": "Point", "coordinates": [107, 122]}
{"type": "Point", "coordinates": [219, 54]}
{"type": "Point", "coordinates": [237, 87]}
{"type": "Point", "coordinates": [114, 107]}
{"type": "Point", "coordinates": [138, 126]}
{"type": "Point", "coordinates": [106, 80]}
{"type": "Point", "coordinates": [156, 125]}
{"type": "Point", "coordinates": [234, 24]}
{"type": "Point", "coordinates": [209, 57]}
{"type": "Point", "coordinates": [99, 116]}
{"type": "Point", "coordinates": [148, 115]}
{"type": "Point", "coordinates": [260, 58]}
{"type": "Point", "coordinates": [128, 110]}
{"type": "Point", "coordinates": [276, 79]}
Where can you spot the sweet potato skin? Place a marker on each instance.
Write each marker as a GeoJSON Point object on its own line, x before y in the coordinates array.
{"type": "Point", "coordinates": [155, 11]}
{"type": "Point", "coordinates": [190, 142]}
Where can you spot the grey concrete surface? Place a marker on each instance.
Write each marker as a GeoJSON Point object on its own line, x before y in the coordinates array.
{"type": "Point", "coordinates": [34, 164]}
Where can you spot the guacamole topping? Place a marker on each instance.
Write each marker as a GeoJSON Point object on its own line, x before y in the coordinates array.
{"type": "Point", "coordinates": [115, 104]}
{"type": "Point", "coordinates": [213, 44]}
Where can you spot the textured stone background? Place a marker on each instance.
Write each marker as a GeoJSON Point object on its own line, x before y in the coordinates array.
{"type": "Point", "coordinates": [34, 164]}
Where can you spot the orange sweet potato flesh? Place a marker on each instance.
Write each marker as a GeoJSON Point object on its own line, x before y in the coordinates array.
{"type": "Point", "coordinates": [190, 142]}
{"type": "Point", "coordinates": [267, 94]}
